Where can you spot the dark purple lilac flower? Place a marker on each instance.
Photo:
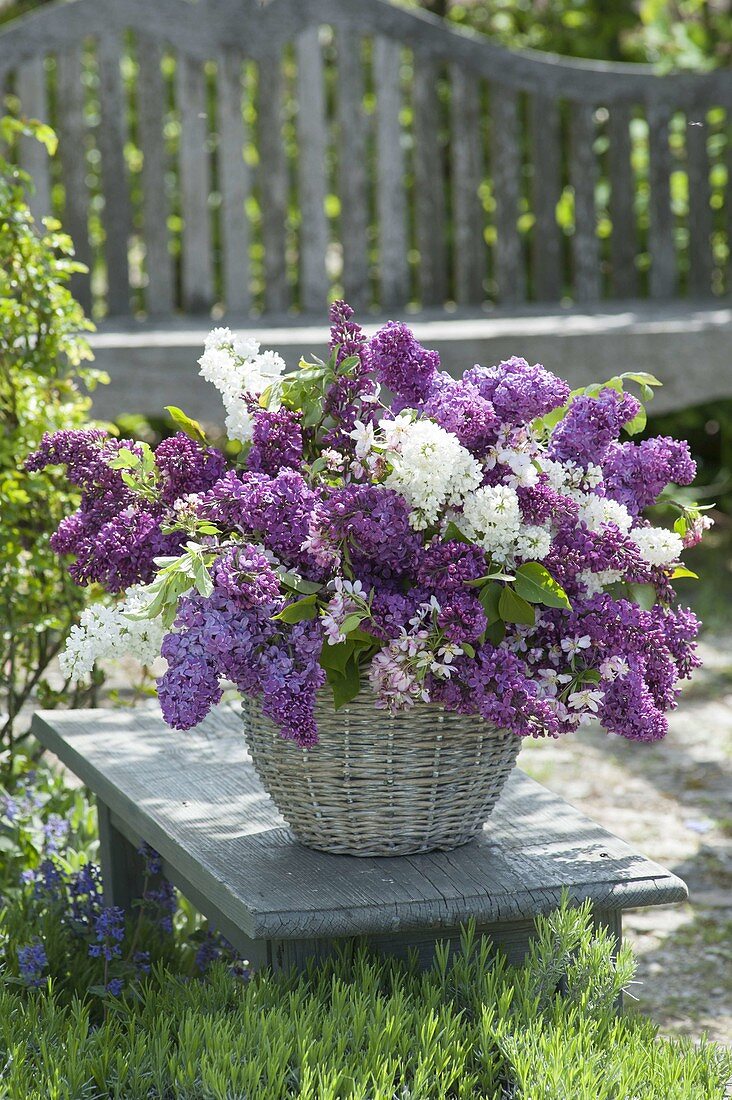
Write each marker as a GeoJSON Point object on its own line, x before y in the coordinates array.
{"type": "Point", "coordinates": [187, 467]}
{"type": "Point", "coordinates": [276, 441]}
{"type": "Point", "coordinates": [245, 573]}
{"type": "Point", "coordinates": [445, 566]}
{"type": "Point", "coordinates": [592, 424]}
{"type": "Point", "coordinates": [458, 407]}
{"type": "Point", "coordinates": [32, 961]}
{"type": "Point", "coordinates": [518, 392]}
{"type": "Point", "coordinates": [345, 335]}
{"type": "Point", "coordinates": [462, 617]}
{"type": "Point", "coordinates": [369, 524]}
{"type": "Point", "coordinates": [401, 363]}
{"type": "Point", "coordinates": [636, 473]}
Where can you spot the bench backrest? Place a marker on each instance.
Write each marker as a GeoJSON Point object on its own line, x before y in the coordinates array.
{"type": "Point", "coordinates": [264, 157]}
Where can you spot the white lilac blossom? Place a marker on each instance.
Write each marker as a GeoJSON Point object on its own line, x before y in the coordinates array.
{"type": "Point", "coordinates": [105, 632]}
{"type": "Point", "coordinates": [657, 546]}
{"type": "Point", "coordinates": [235, 366]}
{"type": "Point", "coordinates": [480, 543]}
{"type": "Point", "coordinates": [429, 468]}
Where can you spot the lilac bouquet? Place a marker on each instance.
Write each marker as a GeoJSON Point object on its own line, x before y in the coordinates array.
{"type": "Point", "coordinates": [478, 543]}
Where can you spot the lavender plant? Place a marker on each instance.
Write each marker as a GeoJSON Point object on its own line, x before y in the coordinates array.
{"type": "Point", "coordinates": [480, 543]}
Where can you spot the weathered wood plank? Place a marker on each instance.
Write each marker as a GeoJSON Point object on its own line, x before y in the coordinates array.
{"type": "Point", "coordinates": [546, 254]}
{"type": "Point", "coordinates": [390, 191]}
{"type": "Point", "coordinates": [506, 175]}
{"type": "Point", "coordinates": [663, 274]}
{"type": "Point", "coordinates": [583, 174]}
{"type": "Point", "coordinates": [624, 235]}
{"type": "Point", "coordinates": [272, 181]}
{"type": "Point", "coordinates": [469, 249]}
{"type": "Point", "coordinates": [235, 184]}
{"type": "Point", "coordinates": [195, 798]}
{"type": "Point", "coordinates": [122, 867]}
{"type": "Point", "coordinates": [312, 148]}
{"type": "Point", "coordinates": [31, 91]}
{"type": "Point", "coordinates": [111, 138]}
{"type": "Point", "coordinates": [352, 169]}
{"type": "Point", "coordinates": [429, 183]}
{"type": "Point", "coordinates": [72, 134]}
{"type": "Point", "coordinates": [195, 185]}
{"type": "Point", "coordinates": [151, 121]}
{"type": "Point", "coordinates": [700, 212]}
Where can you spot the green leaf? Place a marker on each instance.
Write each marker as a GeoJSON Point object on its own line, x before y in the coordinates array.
{"type": "Point", "coordinates": [514, 609]}
{"type": "Point", "coordinates": [346, 686]}
{"type": "Point", "coordinates": [535, 584]}
{"type": "Point", "coordinates": [638, 423]}
{"type": "Point", "coordinates": [453, 532]}
{"type": "Point", "coordinates": [480, 581]}
{"type": "Point", "coordinates": [644, 595]}
{"type": "Point", "coordinates": [467, 648]}
{"type": "Point", "coordinates": [203, 581]}
{"type": "Point", "coordinates": [495, 632]}
{"type": "Point", "coordinates": [334, 658]}
{"type": "Point", "coordinates": [186, 424]}
{"type": "Point", "coordinates": [299, 584]}
{"type": "Point", "coordinates": [591, 676]}
{"type": "Point", "coordinates": [489, 599]}
{"type": "Point", "coordinates": [296, 612]}
{"type": "Point", "coordinates": [125, 459]}
{"type": "Point", "coordinates": [682, 571]}
{"type": "Point", "coordinates": [351, 622]}
{"type": "Point", "coordinates": [681, 526]}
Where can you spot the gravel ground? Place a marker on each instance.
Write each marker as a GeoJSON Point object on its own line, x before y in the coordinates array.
{"type": "Point", "coordinates": [673, 802]}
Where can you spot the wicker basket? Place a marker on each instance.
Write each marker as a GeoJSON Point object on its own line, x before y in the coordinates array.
{"type": "Point", "coordinates": [376, 785]}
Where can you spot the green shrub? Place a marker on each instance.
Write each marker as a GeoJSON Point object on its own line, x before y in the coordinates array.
{"type": "Point", "coordinates": [364, 1029]}
{"type": "Point", "coordinates": [41, 367]}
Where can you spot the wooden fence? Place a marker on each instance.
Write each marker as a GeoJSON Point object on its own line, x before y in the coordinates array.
{"type": "Point", "coordinates": [264, 158]}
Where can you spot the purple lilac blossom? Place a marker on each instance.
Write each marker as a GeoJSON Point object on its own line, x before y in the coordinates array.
{"type": "Point", "coordinates": [518, 392]}
{"type": "Point", "coordinates": [592, 424]}
{"type": "Point", "coordinates": [401, 363]}
{"type": "Point", "coordinates": [458, 407]}
{"type": "Point", "coordinates": [187, 467]}
{"type": "Point", "coordinates": [276, 440]}
{"type": "Point", "coordinates": [636, 473]}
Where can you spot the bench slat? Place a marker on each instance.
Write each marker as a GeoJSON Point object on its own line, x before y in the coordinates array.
{"type": "Point", "coordinates": [506, 170]}
{"type": "Point", "coordinates": [235, 184]}
{"type": "Point", "coordinates": [390, 193]}
{"type": "Point", "coordinates": [72, 135]}
{"type": "Point", "coordinates": [469, 250]}
{"type": "Point", "coordinates": [544, 122]}
{"type": "Point", "coordinates": [429, 183]}
{"type": "Point", "coordinates": [195, 185]}
{"type": "Point", "coordinates": [272, 180]}
{"type": "Point", "coordinates": [624, 236]}
{"type": "Point", "coordinates": [663, 279]}
{"type": "Point", "coordinates": [352, 169]}
{"type": "Point", "coordinates": [31, 91]}
{"type": "Point", "coordinates": [583, 173]}
{"type": "Point", "coordinates": [151, 100]}
{"type": "Point", "coordinates": [312, 148]}
{"type": "Point", "coordinates": [111, 138]}
{"type": "Point", "coordinates": [700, 212]}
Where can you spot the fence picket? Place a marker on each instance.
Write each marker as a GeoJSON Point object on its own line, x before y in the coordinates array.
{"type": "Point", "coordinates": [272, 181]}
{"type": "Point", "coordinates": [31, 91]}
{"type": "Point", "coordinates": [663, 278]}
{"type": "Point", "coordinates": [111, 138]}
{"type": "Point", "coordinates": [234, 183]}
{"type": "Point", "coordinates": [72, 135]}
{"type": "Point", "coordinates": [469, 251]}
{"type": "Point", "coordinates": [624, 237]}
{"type": "Point", "coordinates": [352, 169]}
{"type": "Point", "coordinates": [583, 173]}
{"type": "Point", "coordinates": [505, 169]}
{"type": "Point", "coordinates": [390, 194]}
{"type": "Point", "coordinates": [546, 191]}
{"type": "Point", "coordinates": [195, 185]}
{"type": "Point", "coordinates": [312, 147]}
{"type": "Point", "coordinates": [151, 121]}
{"type": "Point", "coordinates": [429, 179]}
{"type": "Point", "coordinates": [700, 212]}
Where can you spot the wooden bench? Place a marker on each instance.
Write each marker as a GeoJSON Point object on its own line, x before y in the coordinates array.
{"type": "Point", "coordinates": [194, 797]}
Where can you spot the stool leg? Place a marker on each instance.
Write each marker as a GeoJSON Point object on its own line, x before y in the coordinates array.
{"type": "Point", "coordinates": [122, 866]}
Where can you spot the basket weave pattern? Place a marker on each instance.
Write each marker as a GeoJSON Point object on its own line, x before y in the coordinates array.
{"type": "Point", "coordinates": [381, 785]}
